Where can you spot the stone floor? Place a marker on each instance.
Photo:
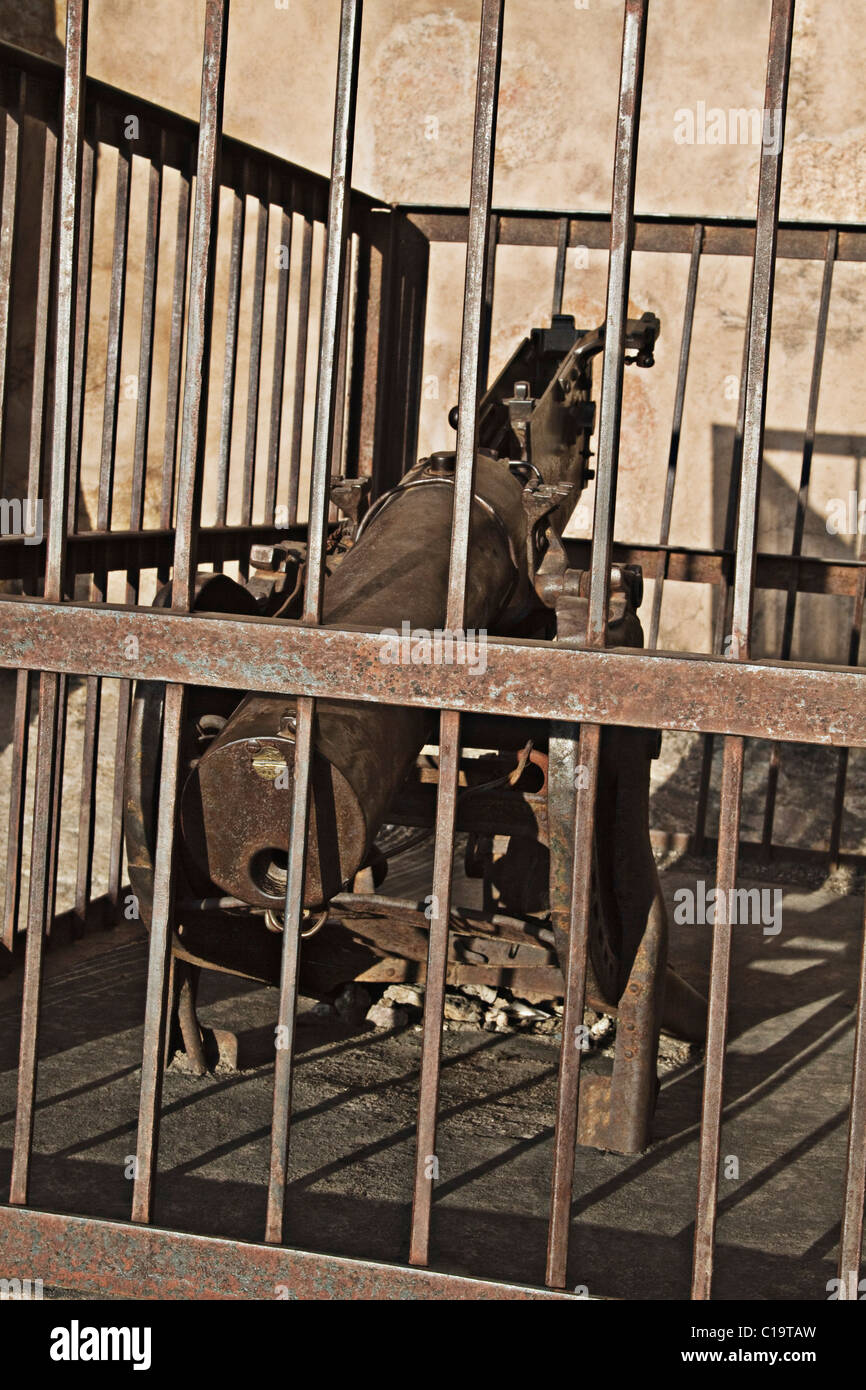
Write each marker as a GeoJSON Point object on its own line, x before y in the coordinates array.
{"type": "Point", "coordinates": [786, 1091]}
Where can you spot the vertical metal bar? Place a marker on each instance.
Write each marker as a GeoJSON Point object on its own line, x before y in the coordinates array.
{"type": "Point", "coordinates": [281, 310]}
{"type": "Point", "coordinates": [342, 378]}
{"type": "Point", "coordinates": [193, 427]}
{"type": "Point", "coordinates": [717, 1019]}
{"type": "Point", "coordinates": [300, 368]}
{"type": "Point", "coordinates": [99, 583]}
{"type": "Point", "coordinates": [136, 510]}
{"type": "Point", "coordinates": [760, 323]}
{"type": "Point", "coordinates": [12, 121]}
{"type": "Point", "coordinates": [18, 780]}
{"type": "Point", "coordinates": [73, 102]}
{"type": "Point", "coordinates": [256, 325]}
{"type": "Point", "coordinates": [621, 235]}
{"type": "Point", "coordinates": [487, 311]}
{"type": "Point", "coordinates": [619, 265]}
{"type": "Point", "coordinates": [568, 1082]}
{"type": "Point", "coordinates": [40, 342]}
{"type": "Point", "coordinates": [559, 273]}
{"type": "Point", "coordinates": [236, 256]}
{"type": "Point", "coordinates": [335, 256]}
{"type": "Point", "coordinates": [178, 313]}
{"type": "Point", "coordinates": [82, 326]}
{"type": "Point", "coordinates": [676, 430]}
{"type": "Point", "coordinates": [850, 1245]}
{"type": "Point", "coordinates": [478, 252]}
{"type": "Point", "coordinates": [800, 518]}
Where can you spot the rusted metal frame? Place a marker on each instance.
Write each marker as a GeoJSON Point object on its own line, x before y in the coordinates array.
{"type": "Point", "coordinates": [94, 1256]}
{"type": "Point", "coordinates": [851, 1242]}
{"type": "Point", "coordinates": [300, 367]}
{"type": "Point", "coordinates": [42, 328]}
{"type": "Point", "coordinates": [99, 581]}
{"type": "Point", "coordinates": [760, 324]}
{"type": "Point", "coordinates": [800, 518]}
{"type": "Point", "coordinates": [791, 701]}
{"type": "Point", "coordinates": [136, 512]}
{"type": "Point", "coordinates": [178, 316]}
{"type": "Point", "coordinates": [676, 430]}
{"type": "Point", "coordinates": [559, 272]}
{"type": "Point", "coordinates": [236, 254]}
{"type": "Point", "coordinates": [49, 682]}
{"type": "Point", "coordinates": [717, 1019]}
{"type": "Point", "coordinates": [91, 550]}
{"type": "Point", "coordinates": [472, 366]}
{"type": "Point", "coordinates": [281, 309]}
{"type": "Point", "coordinates": [619, 265]}
{"type": "Point", "coordinates": [193, 428]}
{"type": "Point", "coordinates": [12, 124]}
{"type": "Point", "coordinates": [255, 365]}
{"type": "Point", "coordinates": [723, 236]}
{"type": "Point", "coordinates": [323, 432]}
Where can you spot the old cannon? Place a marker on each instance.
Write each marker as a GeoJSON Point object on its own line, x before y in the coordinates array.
{"type": "Point", "coordinates": [374, 770]}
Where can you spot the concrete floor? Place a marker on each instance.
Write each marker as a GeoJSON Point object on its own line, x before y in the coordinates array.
{"type": "Point", "coordinates": [786, 1096]}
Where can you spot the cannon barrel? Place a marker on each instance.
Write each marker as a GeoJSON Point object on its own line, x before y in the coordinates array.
{"type": "Point", "coordinates": [236, 804]}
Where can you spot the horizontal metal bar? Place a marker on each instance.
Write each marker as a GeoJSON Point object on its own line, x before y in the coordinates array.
{"type": "Point", "coordinates": [722, 236]}
{"type": "Point", "coordinates": [89, 551]}
{"type": "Point", "coordinates": [758, 699]}
{"type": "Point", "coordinates": [89, 1256]}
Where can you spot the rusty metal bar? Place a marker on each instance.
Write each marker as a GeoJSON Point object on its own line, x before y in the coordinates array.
{"type": "Point", "coordinates": [760, 322]}
{"type": "Point", "coordinates": [568, 1081]}
{"type": "Point", "coordinates": [335, 260]}
{"type": "Point", "coordinates": [99, 581]}
{"type": "Point", "coordinates": [189, 480]}
{"type": "Point", "coordinates": [281, 310]}
{"type": "Point", "coordinates": [255, 369]}
{"type": "Point", "coordinates": [231, 355]}
{"type": "Point", "coordinates": [559, 272]}
{"type": "Point", "coordinates": [717, 1020]}
{"type": "Point", "coordinates": [800, 517]}
{"type": "Point", "coordinates": [487, 310]}
{"type": "Point", "coordinates": [676, 430]}
{"type": "Point", "coordinates": [17, 792]}
{"type": "Point", "coordinates": [472, 375]}
{"type": "Point", "coordinates": [41, 335]}
{"type": "Point", "coordinates": [82, 326]}
{"type": "Point", "coordinates": [791, 701]}
{"type": "Point", "coordinates": [49, 682]}
{"type": "Point", "coordinates": [12, 123]}
{"type": "Point", "coordinates": [178, 314]}
{"type": "Point", "coordinates": [619, 265]}
{"type": "Point", "coordinates": [854, 641]}
{"type": "Point", "coordinates": [147, 1262]}
{"type": "Point", "coordinates": [300, 368]}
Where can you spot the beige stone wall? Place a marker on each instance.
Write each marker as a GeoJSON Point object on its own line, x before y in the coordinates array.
{"type": "Point", "coordinates": [554, 149]}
